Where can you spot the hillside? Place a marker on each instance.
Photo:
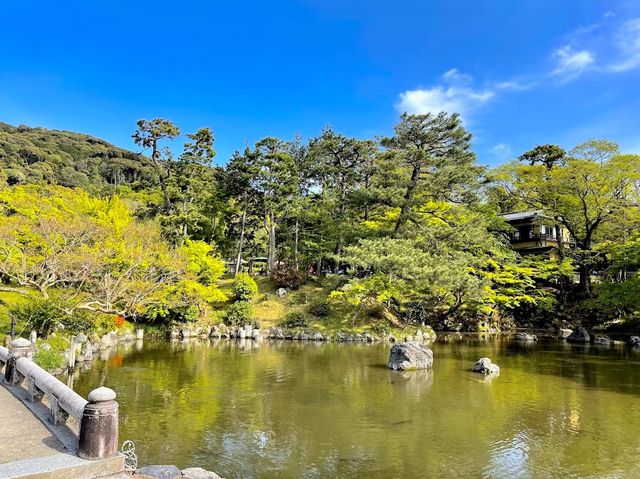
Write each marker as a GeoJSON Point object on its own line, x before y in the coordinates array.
{"type": "Point", "coordinates": [39, 155]}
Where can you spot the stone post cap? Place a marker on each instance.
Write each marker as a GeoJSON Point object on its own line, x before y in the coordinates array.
{"type": "Point", "coordinates": [101, 394]}
{"type": "Point", "coordinates": [20, 343]}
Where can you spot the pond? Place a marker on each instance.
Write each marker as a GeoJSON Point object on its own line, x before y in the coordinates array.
{"type": "Point", "coordinates": [307, 410]}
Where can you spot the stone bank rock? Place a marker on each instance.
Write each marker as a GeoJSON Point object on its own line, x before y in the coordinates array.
{"type": "Point", "coordinates": [281, 292]}
{"type": "Point", "coordinates": [485, 366]}
{"type": "Point", "coordinates": [564, 333]}
{"type": "Point", "coordinates": [87, 351]}
{"type": "Point", "coordinates": [198, 473]}
{"type": "Point", "coordinates": [634, 341]}
{"type": "Point", "coordinates": [602, 341]}
{"type": "Point", "coordinates": [580, 335]}
{"type": "Point", "coordinates": [526, 337]}
{"type": "Point", "coordinates": [318, 337]}
{"type": "Point", "coordinates": [410, 355]}
{"type": "Point", "coordinates": [106, 341]}
{"type": "Point", "coordinates": [158, 472]}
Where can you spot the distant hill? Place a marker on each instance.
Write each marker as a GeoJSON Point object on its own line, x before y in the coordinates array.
{"type": "Point", "coordinates": [39, 155]}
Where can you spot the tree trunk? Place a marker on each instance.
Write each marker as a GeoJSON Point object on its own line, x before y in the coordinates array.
{"type": "Point", "coordinates": [560, 239]}
{"type": "Point", "coordinates": [408, 199]}
{"type": "Point", "coordinates": [271, 263]}
{"type": "Point", "coordinates": [585, 279]}
{"type": "Point", "coordinates": [161, 178]}
{"type": "Point", "coordinates": [241, 242]}
{"type": "Point", "coordinates": [340, 239]}
{"type": "Point", "coordinates": [295, 244]}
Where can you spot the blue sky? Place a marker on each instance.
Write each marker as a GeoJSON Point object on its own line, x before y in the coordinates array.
{"type": "Point", "coordinates": [520, 72]}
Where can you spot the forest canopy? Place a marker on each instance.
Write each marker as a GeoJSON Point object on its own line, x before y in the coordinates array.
{"type": "Point", "coordinates": [410, 223]}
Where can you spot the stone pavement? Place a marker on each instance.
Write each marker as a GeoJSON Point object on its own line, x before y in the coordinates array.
{"type": "Point", "coordinates": [22, 435]}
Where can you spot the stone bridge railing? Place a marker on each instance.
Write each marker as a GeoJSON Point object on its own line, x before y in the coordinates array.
{"type": "Point", "coordinates": [97, 435]}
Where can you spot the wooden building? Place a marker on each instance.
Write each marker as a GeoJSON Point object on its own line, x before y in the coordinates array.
{"type": "Point", "coordinates": [533, 232]}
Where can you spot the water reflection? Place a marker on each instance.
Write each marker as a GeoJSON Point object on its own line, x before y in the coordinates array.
{"type": "Point", "coordinates": [306, 409]}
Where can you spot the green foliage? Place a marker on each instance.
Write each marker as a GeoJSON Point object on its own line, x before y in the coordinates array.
{"type": "Point", "coordinates": [57, 342]}
{"type": "Point", "coordinates": [38, 155]}
{"type": "Point", "coordinates": [319, 309]}
{"type": "Point", "coordinates": [43, 315]}
{"type": "Point", "coordinates": [295, 319]}
{"type": "Point", "coordinates": [238, 314]}
{"type": "Point", "coordinates": [244, 287]}
{"type": "Point", "coordinates": [49, 359]}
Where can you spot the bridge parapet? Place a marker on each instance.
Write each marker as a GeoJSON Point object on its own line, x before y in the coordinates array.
{"type": "Point", "coordinates": [96, 435]}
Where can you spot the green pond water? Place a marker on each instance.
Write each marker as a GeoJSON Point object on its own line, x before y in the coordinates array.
{"type": "Point", "coordinates": [306, 410]}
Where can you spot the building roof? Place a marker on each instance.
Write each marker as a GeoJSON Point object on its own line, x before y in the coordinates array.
{"type": "Point", "coordinates": [523, 215]}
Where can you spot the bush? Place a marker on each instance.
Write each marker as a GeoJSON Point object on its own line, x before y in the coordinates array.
{"type": "Point", "coordinates": [285, 275]}
{"type": "Point", "coordinates": [49, 359]}
{"type": "Point", "coordinates": [301, 297]}
{"type": "Point", "coordinates": [295, 319]}
{"type": "Point", "coordinates": [57, 343]}
{"type": "Point", "coordinates": [44, 315]}
{"type": "Point", "coordinates": [238, 313]}
{"type": "Point", "coordinates": [319, 309]}
{"type": "Point", "coordinates": [244, 287]}
{"type": "Point", "coordinates": [164, 313]}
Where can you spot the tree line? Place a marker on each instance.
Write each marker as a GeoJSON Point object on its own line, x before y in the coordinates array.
{"type": "Point", "coordinates": [411, 221]}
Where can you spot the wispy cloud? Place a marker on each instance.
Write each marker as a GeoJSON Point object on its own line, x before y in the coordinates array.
{"type": "Point", "coordinates": [609, 46]}
{"type": "Point", "coordinates": [570, 64]}
{"type": "Point", "coordinates": [454, 94]}
{"type": "Point", "coordinates": [627, 42]}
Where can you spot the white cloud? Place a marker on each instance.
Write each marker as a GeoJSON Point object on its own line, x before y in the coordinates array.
{"type": "Point", "coordinates": [454, 94]}
{"type": "Point", "coordinates": [570, 63]}
{"type": "Point", "coordinates": [502, 152]}
{"type": "Point", "coordinates": [627, 40]}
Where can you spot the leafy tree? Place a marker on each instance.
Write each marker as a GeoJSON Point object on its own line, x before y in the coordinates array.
{"type": "Point", "coordinates": [585, 196]}
{"type": "Point", "coordinates": [341, 166]}
{"type": "Point", "coordinates": [547, 155]}
{"type": "Point", "coordinates": [437, 151]}
{"type": "Point", "coordinates": [149, 135]}
{"type": "Point", "coordinates": [190, 188]}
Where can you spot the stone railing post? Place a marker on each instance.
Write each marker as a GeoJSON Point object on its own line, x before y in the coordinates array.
{"type": "Point", "coordinates": [99, 425]}
{"type": "Point", "coordinates": [20, 348]}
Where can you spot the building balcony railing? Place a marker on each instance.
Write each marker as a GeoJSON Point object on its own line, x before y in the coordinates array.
{"type": "Point", "coordinates": [541, 239]}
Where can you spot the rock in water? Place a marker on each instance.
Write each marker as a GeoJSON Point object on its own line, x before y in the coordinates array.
{"type": "Point", "coordinates": [602, 341]}
{"type": "Point", "coordinates": [410, 355]}
{"type": "Point", "coordinates": [485, 366]}
{"type": "Point", "coordinates": [198, 473]}
{"type": "Point", "coordinates": [634, 341]}
{"type": "Point", "coordinates": [580, 335]}
{"type": "Point", "coordinates": [158, 472]}
{"type": "Point", "coordinates": [526, 337]}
